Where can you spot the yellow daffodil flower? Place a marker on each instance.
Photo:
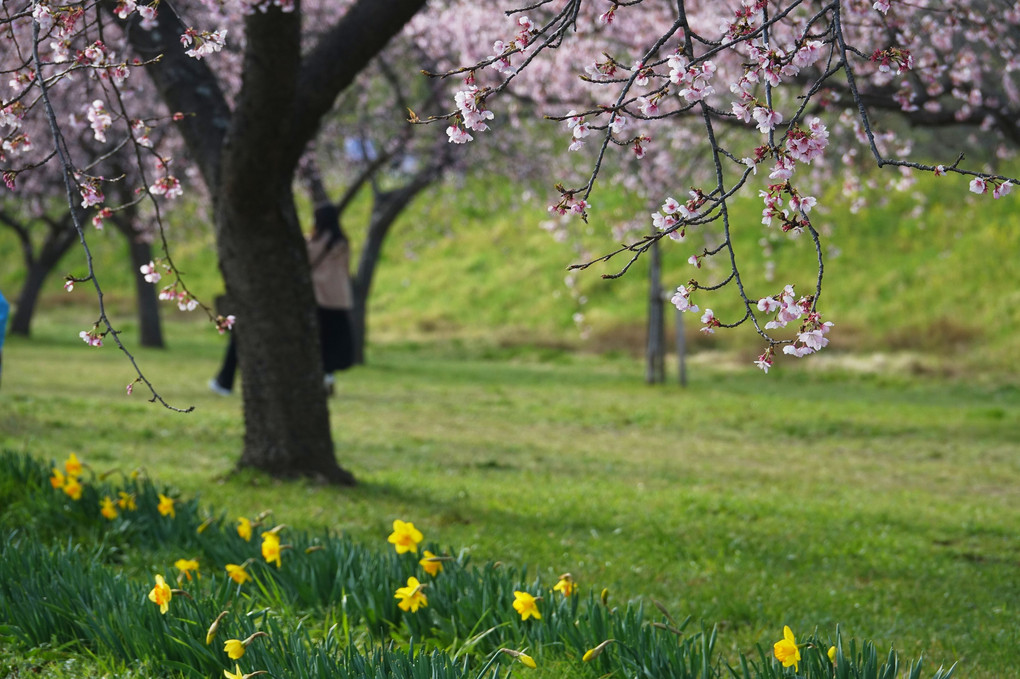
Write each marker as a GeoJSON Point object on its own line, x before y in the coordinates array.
{"type": "Point", "coordinates": [832, 654]}
{"type": "Point", "coordinates": [237, 573]}
{"type": "Point", "coordinates": [432, 564]}
{"type": "Point", "coordinates": [185, 566]}
{"type": "Point", "coordinates": [73, 466]}
{"type": "Point", "coordinates": [526, 605]}
{"type": "Point", "coordinates": [234, 648]}
{"type": "Point", "coordinates": [786, 650]}
{"type": "Point", "coordinates": [411, 597]}
{"type": "Point", "coordinates": [566, 585]}
{"type": "Point", "coordinates": [126, 501]}
{"type": "Point", "coordinates": [73, 488]}
{"type": "Point", "coordinates": [161, 594]}
{"type": "Point", "coordinates": [58, 479]}
{"type": "Point", "coordinates": [236, 675]}
{"type": "Point", "coordinates": [244, 528]}
{"type": "Point", "coordinates": [106, 508]}
{"type": "Point", "coordinates": [405, 537]}
{"type": "Point", "coordinates": [166, 506]}
{"type": "Point", "coordinates": [271, 548]}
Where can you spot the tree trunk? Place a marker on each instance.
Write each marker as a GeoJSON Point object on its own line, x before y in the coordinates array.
{"type": "Point", "coordinates": [21, 320]}
{"type": "Point", "coordinates": [58, 241]}
{"type": "Point", "coordinates": [386, 207]}
{"type": "Point", "coordinates": [268, 278]}
{"type": "Point", "coordinates": [655, 351]}
{"type": "Point", "coordinates": [248, 158]}
{"type": "Point", "coordinates": [266, 270]}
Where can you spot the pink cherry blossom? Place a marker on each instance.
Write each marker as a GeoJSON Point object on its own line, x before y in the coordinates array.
{"type": "Point", "coordinates": [767, 118]}
{"type": "Point", "coordinates": [125, 8]}
{"type": "Point", "coordinates": [764, 362]}
{"type": "Point", "coordinates": [100, 119]}
{"type": "Point", "coordinates": [169, 187]}
{"type": "Point", "coordinates": [150, 273]}
{"type": "Point", "coordinates": [91, 191]}
{"type": "Point", "coordinates": [91, 338]}
{"type": "Point", "coordinates": [710, 321]}
{"type": "Point", "coordinates": [649, 106]}
{"type": "Point", "coordinates": [457, 135]}
{"type": "Point", "coordinates": [224, 323]}
{"type": "Point", "coordinates": [681, 300]}
{"type": "Point", "coordinates": [203, 43]}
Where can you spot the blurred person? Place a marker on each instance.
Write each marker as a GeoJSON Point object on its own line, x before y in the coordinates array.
{"type": "Point", "coordinates": [329, 257]}
{"type": "Point", "coordinates": [329, 254]}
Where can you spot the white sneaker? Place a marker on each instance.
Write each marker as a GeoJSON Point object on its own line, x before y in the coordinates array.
{"type": "Point", "coordinates": [218, 388]}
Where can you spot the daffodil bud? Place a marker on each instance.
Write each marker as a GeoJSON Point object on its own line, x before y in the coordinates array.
{"type": "Point", "coordinates": [522, 658]}
{"type": "Point", "coordinates": [214, 627]}
{"type": "Point", "coordinates": [593, 653]}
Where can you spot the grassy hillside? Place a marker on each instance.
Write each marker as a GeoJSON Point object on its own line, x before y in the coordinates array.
{"type": "Point", "coordinates": [471, 260]}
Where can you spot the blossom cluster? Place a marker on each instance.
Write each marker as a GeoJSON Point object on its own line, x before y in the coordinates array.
{"type": "Point", "coordinates": [473, 114]}
{"type": "Point", "coordinates": [200, 44]}
{"type": "Point", "coordinates": [794, 84]}
{"type": "Point", "coordinates": [184, 299]}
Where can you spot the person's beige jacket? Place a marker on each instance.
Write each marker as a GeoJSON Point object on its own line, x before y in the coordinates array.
{"type": "Point", "coordinates": [331, 277]}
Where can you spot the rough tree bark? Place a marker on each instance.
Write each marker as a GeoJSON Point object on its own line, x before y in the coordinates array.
{"type": "Point", "coordinates": [655, 348]}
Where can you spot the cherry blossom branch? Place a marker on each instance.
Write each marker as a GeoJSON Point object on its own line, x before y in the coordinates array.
{"type": "Point", "coordinates": [93, 337]}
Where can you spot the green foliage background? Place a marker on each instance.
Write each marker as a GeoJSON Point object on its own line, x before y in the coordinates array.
{"type": "Point", "coordinates": [928, 272]}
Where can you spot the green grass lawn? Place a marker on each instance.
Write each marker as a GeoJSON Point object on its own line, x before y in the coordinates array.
{"type": "Point", "coordinates": [886, 504]}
